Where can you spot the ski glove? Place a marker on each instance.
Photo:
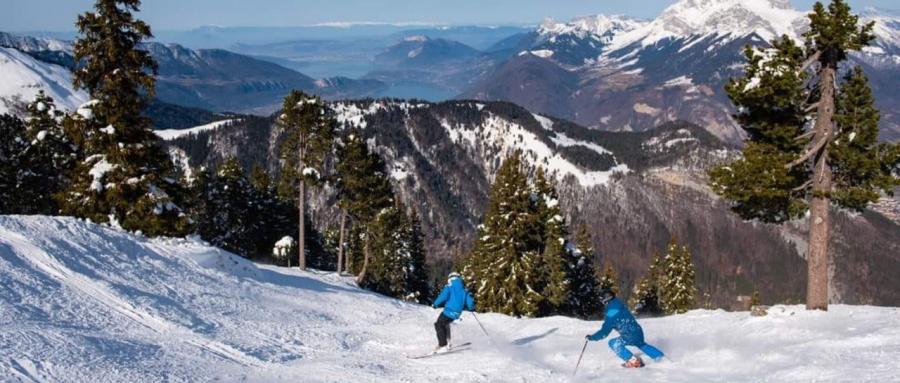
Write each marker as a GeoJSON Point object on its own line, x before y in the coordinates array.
{"type": "Point", "coordinates": [593, 337]}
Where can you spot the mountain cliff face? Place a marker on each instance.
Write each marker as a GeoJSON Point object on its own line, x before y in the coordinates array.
{"type": "Point", "coordinates": [635, 75]}
{"type": "Point", "coordinates": [633, 190]}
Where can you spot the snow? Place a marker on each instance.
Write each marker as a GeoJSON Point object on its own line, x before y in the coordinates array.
{"type": "Point", "coordinates": [98, 171]}
{"type": "Point", "coordinates": [21, 77]}
{"type": "Point", "coordinates": [171, 134]}
{"type": "Point", "coordinates": [86, 110]}
{"type": "Point", "coordinates": [542, 53]}
{"type": "Point", "coordinates": [599, 27]}
{"type": "Point", "coordinates": [41, 135]}
{"type": "Point", "coordinates": [310, 172]}
{"type": "Point", "coordinates": [109, 129]}
{"type": "Point", "coordinates": [511, 136]}
{"type": "Point", "coordinates": [283, 246]}
{"type": "Point", "coordinates": [416, 38]}
{"type": "Point", "coordinates": [81, 302]}
{"type": "Point", "coordinates": [679, 81]}
{"type": "Point", "coordinates": [737, 18]}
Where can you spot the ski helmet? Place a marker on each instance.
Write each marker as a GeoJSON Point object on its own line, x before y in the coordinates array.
{"type": "Point", "coordinates": [606, 295]}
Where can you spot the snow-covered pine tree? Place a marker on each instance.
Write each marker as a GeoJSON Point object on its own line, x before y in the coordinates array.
{"type": "Point", "coordinates": [556, 258]}
{"type": "Point", "coordinates": [645, 297]}
{"type": "Point", "coordinates": [275, 217]}
{"type": "Point", "coordinates": [363, 188]}
{"type": "Point", "coordinates": [502, 264]}
{"type": "Point", "coordinates": [309, 125]}
{"type": "Point", "coordinates": [417, 273]}
{"type": "Point", "coordinates": [802, 154]}
{"type": "Point", "coordinates": [13, 144]}
{"type": "Point", "coordinates": [48, 162]}
{"type": "Point", "coordinates": [677, 291]}
{"type": "Point", "coordinates": [233, 214]}
{"type": "Point", "coordinates": [584, 293]}
{"type": "Point", "coordinates": [125, 176]}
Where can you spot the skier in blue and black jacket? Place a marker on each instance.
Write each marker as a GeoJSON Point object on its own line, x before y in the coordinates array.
{"type": "Point", "coordinates": [617, 317]}
{"type": "Point", "coordinates": [454, 298]}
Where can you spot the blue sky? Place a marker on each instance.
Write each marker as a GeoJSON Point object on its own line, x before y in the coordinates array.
{"type": "Point", "coordinates": [59, 15]}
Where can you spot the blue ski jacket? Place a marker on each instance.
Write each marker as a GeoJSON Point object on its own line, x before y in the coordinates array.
{"type": "Point", "coordinates": [454, 298]}
{"type": "Point", "coordinates": [617, 317]}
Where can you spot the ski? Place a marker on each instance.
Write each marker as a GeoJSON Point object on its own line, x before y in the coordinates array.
{"type": "Point", "coordinates": [460, 347]}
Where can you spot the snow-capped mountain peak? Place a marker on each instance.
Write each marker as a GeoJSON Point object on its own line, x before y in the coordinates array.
{"type": "Point", "coordinates": [766, 18]}
{"type": "Point", "coordinates": [601, 26]}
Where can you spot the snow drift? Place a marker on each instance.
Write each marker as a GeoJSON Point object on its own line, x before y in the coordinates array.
{"type": "Point", "coordinates": [85, 303]}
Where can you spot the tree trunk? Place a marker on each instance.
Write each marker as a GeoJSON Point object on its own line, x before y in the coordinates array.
{"type": "Point", "coordinates": [301, 240]}
{"type": "Point", "coordinates": [819, 225]}
{"type": "Point", "coordinates": [362, 273]}
{"type": "Point", "coordinates": [340, 260]}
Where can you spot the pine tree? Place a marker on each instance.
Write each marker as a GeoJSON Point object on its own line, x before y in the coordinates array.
{"type": "Point", "coordinates": [386, 271]}
{"type": "Point", "coordinates": [556, 259]}
{"type": "Point", "coordinates": [677, 291]}
{"type": "Point", "coordinates": [126, 176]}
{"type": "Point", "coordinates": [200, 205]}
{"type": "Point", "coordinates": [645, 298]}
{"type": "Point", "coordinates": [274, 217]}
{"type": "Point", "coordinates": [584, 293]}
{"type": "Point", "coordinates": [309, 125]}
{"type": "Point", "coordinates": [609, 279]}
{"type": "Point", "coordinates": [48, 161]}
{"type": "Point", "coordinates": [13, 144]}
{"type": "Point", "coordinates": [38, 161]}
{"type": "Point", "coordinates": [754, 299]}
{"type": "Point", "coordinates": [233, 223]}
{"type": "Point", "coordinates": [504, 262]}
{"type": "Point", "coordinates": [363, 188]}
{"type": "Point", "coordinates": [801, 156]}
{"type": "Point", "coordinates": [417, 273]}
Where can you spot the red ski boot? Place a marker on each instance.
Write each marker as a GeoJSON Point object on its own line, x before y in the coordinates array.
{"type": "Point", "coordinates": [634, 362]}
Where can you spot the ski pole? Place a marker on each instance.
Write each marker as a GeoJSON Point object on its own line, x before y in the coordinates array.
{"type": "Point", "coordinates": [579, 357]}
{"type": "Point", "coordinates": [479, 324]}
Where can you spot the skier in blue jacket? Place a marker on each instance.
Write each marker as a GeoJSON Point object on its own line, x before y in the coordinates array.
{"type": "Point", "coordinates": [454, 298]}
{"type": "Point", "coordinates": [617, 317]}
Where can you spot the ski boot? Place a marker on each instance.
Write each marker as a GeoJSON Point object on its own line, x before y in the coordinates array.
{"type": "Point", "coordinates": [441, 349]}
{"type": "Point", "coordinates": [634, 362]}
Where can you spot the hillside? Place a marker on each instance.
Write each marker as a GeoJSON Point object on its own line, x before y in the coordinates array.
{"type": "Point", "coordinates": [634, 191]}
{"type": "Point", "coordinates": [84, 303]}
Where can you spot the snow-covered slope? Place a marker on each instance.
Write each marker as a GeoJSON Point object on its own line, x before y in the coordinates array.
{"type": "Point", "coordinates": [171, 134]}
{"type": "Point", "coordinates": [21, 76]}
{"type": "Point", "coordinates": [84, 303]}
{"type": "Point", "coordinates": [33, 44]}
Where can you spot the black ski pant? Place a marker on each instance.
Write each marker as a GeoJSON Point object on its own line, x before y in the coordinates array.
{"type": "Point", "coordinates": [442, 327]}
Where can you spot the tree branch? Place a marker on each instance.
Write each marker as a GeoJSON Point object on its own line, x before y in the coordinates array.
{"type": "Point", "coordinates": [811, 108]}
{"type": "Point", "coordinates": [805, 135]}
{"type": "Point", "coordinates": [802, 187]}
{"type": "Point", "coordinates": [811, 60]}
{"type": "Point", "coordinates": [811, 152]}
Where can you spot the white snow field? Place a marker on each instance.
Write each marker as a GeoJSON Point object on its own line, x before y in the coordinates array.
{"type": "Point", "coordinates": [85, 303]}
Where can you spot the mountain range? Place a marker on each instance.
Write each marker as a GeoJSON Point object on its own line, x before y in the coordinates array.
{"type": "Point", "coordinates": [633, 190]}
{"type": "Point", "coordinates": [213, 79]}
{"type": "Point", "coordinates": [619, 73]}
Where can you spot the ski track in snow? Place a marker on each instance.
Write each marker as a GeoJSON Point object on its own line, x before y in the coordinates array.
{"type": "Point", "coordinates": [84, 303]}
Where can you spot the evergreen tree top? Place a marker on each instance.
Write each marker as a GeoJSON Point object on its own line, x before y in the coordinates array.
{"type": "Point", "coordinates": [833, 31]}
{"type": "Point", "coordinates": [112, 69]}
